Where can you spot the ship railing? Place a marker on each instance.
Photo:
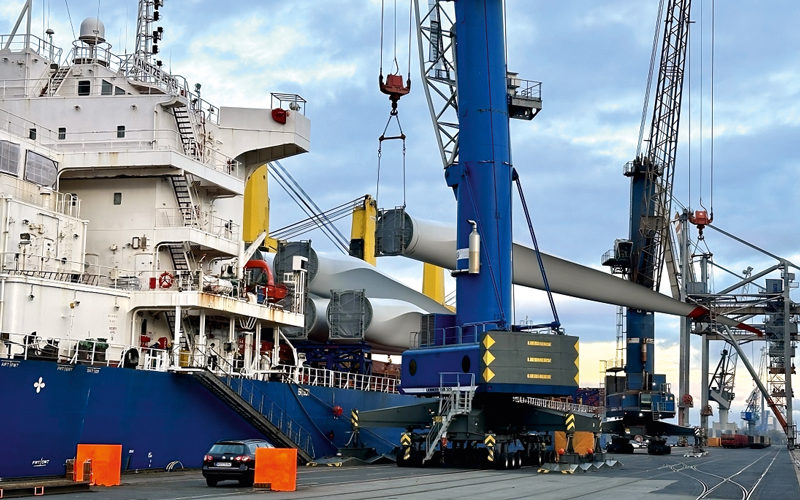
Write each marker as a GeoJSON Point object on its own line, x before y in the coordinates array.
{"type": "Point", "coordinates": [231, 376]}
{"type": "Point", "coordinates": [202, 221]}
{"type": "Point", "coordinates": [468, 333]}
{"type": "Point", "coordinates": [322, 377]}
{"type": "Point", "coordinates": [119, 139]}
{"type": "Point", "coordinates": [291, 101]}
{"type": "Point", "coordinates": [158, 356]}
{"type": "Point", "coordinates": [40, 196]}
{"type": "Point", "coordinates": [559, 405]}
{"type": "Point", "coordinates": [91, 351]}
{"type": "Point", "coordinates": [155, 281]}
{"type": "Point", "coordinates": [42, 47]}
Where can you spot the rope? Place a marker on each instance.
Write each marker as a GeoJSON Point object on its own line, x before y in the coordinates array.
{"type": "Point", "coordinates": [316, 220]}
{"type": "Point", "coordinates": [689, 76]}
{"type": "Point", "coordinates": [410, 17]}
{"type": "Point", "coordinates": [702, 73]}
{"type": "Point", "coordinates": [395, 37]}
{"type": "Point", "coordinates": [381, 68]}
{"type": "Point", "coordinates": [650, 77]}
{"type": "Point", "coordinates": [383, 137]}
{"type": "Point", "coordinates": [713, 46]}
{"type": "Point", "coordinates": [304, 201]}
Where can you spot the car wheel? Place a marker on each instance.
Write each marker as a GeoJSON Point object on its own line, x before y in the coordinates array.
{"type": "Point", "coordinates": [211, 481]}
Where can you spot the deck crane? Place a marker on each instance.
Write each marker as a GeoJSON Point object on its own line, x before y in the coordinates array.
{"type": "Point", "coordinates": [641, 399]}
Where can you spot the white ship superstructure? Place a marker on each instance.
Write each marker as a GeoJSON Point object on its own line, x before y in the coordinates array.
{"type": "Point", "coordinates": [122, 201]}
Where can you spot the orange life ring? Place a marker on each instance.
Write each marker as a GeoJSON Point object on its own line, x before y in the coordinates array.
{"type": "Point", "coordinates": [165, 280]}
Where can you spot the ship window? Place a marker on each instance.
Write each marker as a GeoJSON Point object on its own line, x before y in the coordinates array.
{"type": "Point", "coordinates": [121, 131]}
{"type": "Point", "coordinates": [106, 88]}
{"type": "Point", "coordinates": [40, 169]}
{"type": "Point", "coordinates": [32, 134]}
{"type": "Point", "coordinates": [117, 198]}
{"type": "Point", "coordinates": [62, 133]}
{"type": "Point", "coordinates": [119, 91]}
{"type": "Point", "coordinates": [9, 157]}
{"type": "Point", "coordinates": [84, 87]}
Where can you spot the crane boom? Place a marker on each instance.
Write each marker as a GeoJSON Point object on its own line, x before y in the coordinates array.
{"type": "Point", "coordinates": [641, 258]}
{"type": "Point", "coordinates": [657, 164]}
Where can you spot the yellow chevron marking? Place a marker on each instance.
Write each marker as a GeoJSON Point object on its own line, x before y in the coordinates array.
{"type": "Point", "coordinates": [488, 374]}
{"type": "Point", "coordinates": [488, 358]}
{"type": "Point", "coordinates": [570, 422]}
{"type": "Point", "coordinates": [489, 440]}
{"type": "Point", "coordinates": [488, 342]}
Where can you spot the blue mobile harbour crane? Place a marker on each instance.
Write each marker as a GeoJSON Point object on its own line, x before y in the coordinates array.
{"type": "Point", "coordinates": [638, 402]}
{"type": "Point", "coordinates": [495, 383]}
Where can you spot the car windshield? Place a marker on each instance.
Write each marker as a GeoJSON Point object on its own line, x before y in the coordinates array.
{"type": "Point", "coordinates": [227, 448]}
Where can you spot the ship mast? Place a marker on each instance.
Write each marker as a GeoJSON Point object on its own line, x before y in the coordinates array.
{"type": "Point", "coordinates": [146, 37]}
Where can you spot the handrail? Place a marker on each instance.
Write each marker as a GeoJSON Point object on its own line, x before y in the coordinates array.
{"type": "Point", "coordinates": [150, 281]}
{"type": "Point", "coordinates": [321, 377]}
{"type": "Point", "coordinates": [42, 47]}
{"type": "Point", "coordinates": [558, 405]}
{"type": "Point", "coordinates": [204, 221]}
{"type": "Point", "coordinates": [162, 139]}
{"type": "Point", "coordinates": [248, 391]}
{"type": "Point", "coordinates": [109, 354]}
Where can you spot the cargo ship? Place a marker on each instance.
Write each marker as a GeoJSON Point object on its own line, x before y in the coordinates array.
{"type": "Point", "coordinates": [137, 303]}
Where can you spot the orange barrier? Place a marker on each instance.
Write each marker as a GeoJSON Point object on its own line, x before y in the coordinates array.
{"type": "Point", "coordinates": [106, 463]}
{"type": "Point", "coordinates": [276, 468]}
{"type": "Point", "coordinates": [714, 442]}
{"type": "Point", "coordinates": [582, 441]}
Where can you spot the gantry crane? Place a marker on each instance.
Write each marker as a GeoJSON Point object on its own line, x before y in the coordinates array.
{"type": "Point", "coordinates": [641, 399]}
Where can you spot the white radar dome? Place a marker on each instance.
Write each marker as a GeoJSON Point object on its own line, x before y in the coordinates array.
{"type": "Point", "coordinates": [92, 31]}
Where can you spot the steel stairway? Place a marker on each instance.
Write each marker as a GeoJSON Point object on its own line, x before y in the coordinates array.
{"type": "Point", "coordinates": [184, 197]}
{"type": "Point", "coordinates": [55, 82]}
{"type": "Point", "coordinates": [243, 397]}
{"type": "Point", "coordinates": [185, 130]}
{"type": "Point", "coordinates": [454, 400]}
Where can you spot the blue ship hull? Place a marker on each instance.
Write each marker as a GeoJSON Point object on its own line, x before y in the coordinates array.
{"type": "Point", "coordinates": [48, 409]}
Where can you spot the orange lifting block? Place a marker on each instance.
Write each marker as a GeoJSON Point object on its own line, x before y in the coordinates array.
{"type": "Point", "coordinates": [106, 463]}
{"type": "Point", "coordinates": [700, 218]}
{"type": "Point", "coordinates": [394, 88]}
{"type": "Point", "coordinates": [276, 468]}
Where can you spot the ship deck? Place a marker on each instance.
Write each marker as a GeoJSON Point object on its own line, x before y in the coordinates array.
{"type": "Point", "coordinates": [769, 473]}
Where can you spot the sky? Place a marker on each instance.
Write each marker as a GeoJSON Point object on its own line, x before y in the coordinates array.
{"type": "Point", "coordinates": [592, 59]}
